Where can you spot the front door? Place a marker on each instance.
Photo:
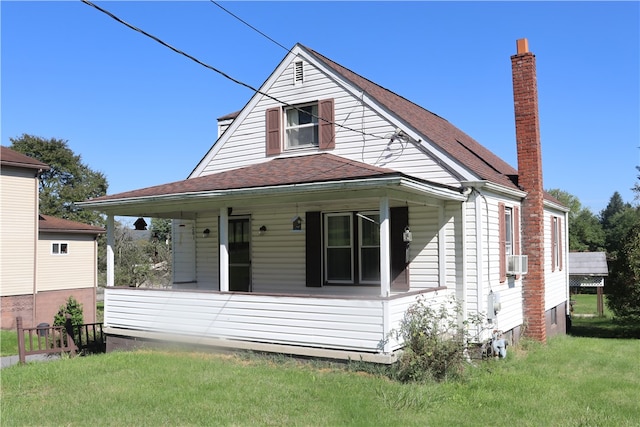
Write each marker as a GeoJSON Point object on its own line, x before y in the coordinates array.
{"type": "Point", "coordinates": [239, 255]}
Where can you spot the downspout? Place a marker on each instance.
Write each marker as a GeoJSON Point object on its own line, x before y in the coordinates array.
{"type": "Point", "coordinates": [463, 295]}
{"type": "Point", "coordinates": [442, 276]}
{"type": "Point", "coordinates": [36, 241]}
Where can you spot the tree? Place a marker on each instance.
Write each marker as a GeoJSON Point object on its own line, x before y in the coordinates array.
{"type": "Point", "coordinates": [617, 219]}
{"type": "Point", "coordinates": [585, 230]}
{"type": "Point", "coordinates": [69, 180]}
{"type": "Point", "coordinates": [623, 286]}
{"type": "Point", "coordinates": [615, 206]}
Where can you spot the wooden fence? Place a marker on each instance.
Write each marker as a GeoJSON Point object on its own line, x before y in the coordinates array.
{"type": "Point", "coordinates": [45, 339]}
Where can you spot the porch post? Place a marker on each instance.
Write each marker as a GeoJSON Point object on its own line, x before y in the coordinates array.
{"type": "Point", "coordinates": [110, 246]}
{"type": "Point", "coordinates": [442, 261]}
{"type": "Point", "coordinates": [385, 248]}
{"type": "Point", "coordinates": [224, 249]}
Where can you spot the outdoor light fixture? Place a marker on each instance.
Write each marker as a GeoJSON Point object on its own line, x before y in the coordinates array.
{"type": "Point", "coordinates": [263, 230]}
{"type": "Point", "coordinates": [206, 232]}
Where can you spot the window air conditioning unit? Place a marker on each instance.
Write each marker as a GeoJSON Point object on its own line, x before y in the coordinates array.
{"type": "Point", "coordinates": [517, 264]}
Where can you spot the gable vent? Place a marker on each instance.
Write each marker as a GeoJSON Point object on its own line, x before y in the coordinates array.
{"type": "Point", "coordinates": [298, 77]}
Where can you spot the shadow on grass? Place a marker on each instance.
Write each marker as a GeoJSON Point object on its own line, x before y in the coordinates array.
{"type": "Point", "coordinates": [603, 327]}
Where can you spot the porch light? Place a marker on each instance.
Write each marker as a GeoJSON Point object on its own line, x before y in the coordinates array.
{"type": "Point", "coordinates": [206, 232]}
{"type": "Point", "coordinates": [296, 223]}
{"type": "Point", "coordinates": [263, 230]}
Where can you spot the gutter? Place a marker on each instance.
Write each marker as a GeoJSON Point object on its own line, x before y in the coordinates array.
{"type": "Point", "coordinates": [439, 192]}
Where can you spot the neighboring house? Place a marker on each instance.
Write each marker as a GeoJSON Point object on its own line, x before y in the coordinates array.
{"type": "Point", "coordinates": [44, 260]}
{"type": "Point", "coordinates": [588, 270]}
{"type": "Point", "coordinates": [328, 204]}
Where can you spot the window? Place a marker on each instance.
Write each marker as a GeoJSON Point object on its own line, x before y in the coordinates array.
{"type": "Point", "coordinates": [301, 126]}
{"type": "Point", "coordinates": [59, 248]}
{"type": "Point", "coordinates": [309, 125]}
{"type": "Point", "coordinates": [344, 248]}
{"type": "Point", "coordinates": [369, 247]}
{"type": "Point", "coordinates": [339, 248]}
{"type": "Point", "coordinates": [556, 243]}
{"type": "Point", "coordinates": [509, 235]}
{"type": "Point", "coordinates": [346, 255]}
{"type": "Point", "coordinates": [508, 222]}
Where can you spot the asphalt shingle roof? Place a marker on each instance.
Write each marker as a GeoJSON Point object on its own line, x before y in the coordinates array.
{"type": "Point", "coordinates": [52, 224]}
{"type": "Point", "coordinates": [588, 264]}
{"type": "Point", "coordinates": [278, 171]}
{"type": "Point", "coordinates": [9, 157]}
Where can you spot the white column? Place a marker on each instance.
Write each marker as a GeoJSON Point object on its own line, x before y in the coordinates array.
{"type": "Point", "coordinates": [224, 249]}
{"type": "Point", "coordinates": [385, 248]}
{"type": "Point", "coordinates": [111, 242]}
{"type": "Point", "coordinates": [442, 246]}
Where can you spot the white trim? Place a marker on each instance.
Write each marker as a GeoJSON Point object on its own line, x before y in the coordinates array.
{"type": "Point", "coordinates": [224, 249]}
{"type": "Point", "coordinates": [385, 247]}
{"type": "Point", "coordinates": [111, 243]}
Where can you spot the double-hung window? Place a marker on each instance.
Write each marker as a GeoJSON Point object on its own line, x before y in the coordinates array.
{"type": "Point", "coordinates": [369, 247]}
{"type": "Point", "coordinates": [339, 248]}
{"type": "Point", "coordinates": [301, 126]}
{"type": "Point", "coordinates": [352, 248]}
{"type": "Point", "coordinates": [508, 231]}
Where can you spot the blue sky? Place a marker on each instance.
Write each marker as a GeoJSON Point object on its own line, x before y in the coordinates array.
{"type": "Point", "coordinates": [144, 115]}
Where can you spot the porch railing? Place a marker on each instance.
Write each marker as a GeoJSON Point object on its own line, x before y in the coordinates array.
{"type": "Point", "coordinates": [43, 340]}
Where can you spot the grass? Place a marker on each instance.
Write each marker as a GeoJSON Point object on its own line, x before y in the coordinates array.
{"type": "Point", "coordinates": [572, 381]}
{"type": "Point", "coordinates": [8, 343]}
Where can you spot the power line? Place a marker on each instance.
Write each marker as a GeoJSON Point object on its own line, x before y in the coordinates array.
{"type": "Point", "coordinates": [249, 25]}
{"type": "Point", "coordinates": [225, 75]}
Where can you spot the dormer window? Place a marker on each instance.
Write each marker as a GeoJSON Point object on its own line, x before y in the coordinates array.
{"type": "Point", "coordinates": [301, 126]}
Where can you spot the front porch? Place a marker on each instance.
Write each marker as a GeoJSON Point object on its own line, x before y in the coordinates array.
{"type": "Point", "coordinates": [339, 327]}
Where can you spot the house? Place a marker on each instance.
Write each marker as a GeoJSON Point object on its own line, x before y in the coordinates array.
{"type": "Point", "coordinates": [588, 270]}
{"type": "Point", "coordinates": [328, 204]}
{"type": "Point", "coordinates": [44, 259]}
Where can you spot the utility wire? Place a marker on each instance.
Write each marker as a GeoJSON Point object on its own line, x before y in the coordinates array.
{"type": "Point", "coordinates": [225, 75]}
{"type": "Point", "coordinates": [249, 25]}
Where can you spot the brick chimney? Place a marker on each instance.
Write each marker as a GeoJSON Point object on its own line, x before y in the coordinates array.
{"type": "Point", "coordinates": [525, 99]}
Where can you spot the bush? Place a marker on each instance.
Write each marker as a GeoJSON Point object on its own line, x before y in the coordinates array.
{"type": "Point", "coordinates": [435, 342]}
{"type": "Point", "coordinates": [72, 308]}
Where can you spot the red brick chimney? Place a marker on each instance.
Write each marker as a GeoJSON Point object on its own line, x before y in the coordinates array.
{"type": "Point", "coordinates": [525, 99]}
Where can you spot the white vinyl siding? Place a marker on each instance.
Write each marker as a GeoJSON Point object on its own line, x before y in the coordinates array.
{"type": "Point", "coordinates": [246, 144]}
{"type": "Point", "coordinates": [74, 270]}
{"type": "Point", "coordinates": [555, 281]}
{"type": "Point", "coordinates": [18, 231]}
{"type": "Point", "coordinates": [335, 323]}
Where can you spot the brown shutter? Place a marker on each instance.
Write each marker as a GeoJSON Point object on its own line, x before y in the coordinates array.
{"type": "Point", "coordinates": [553, 245]}
{"type": "Point", "coordinates": [326, 128]}
{"type": "Point", "coordinates": [516, 233]}
{"type": "Point", "coordinates": [560, 238]}
{"type": "Point", "coordinates": [273, 138]}
{"type": "Point", "coordinates": [502, 237]}
{"type": "Point", "coordinates": [313, 253]}
{"type": "Point", "coordinates": [399, 266]}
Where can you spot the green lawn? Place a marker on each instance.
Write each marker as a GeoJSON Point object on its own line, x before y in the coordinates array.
{"type": "Point", "coordinates": [572, 381]}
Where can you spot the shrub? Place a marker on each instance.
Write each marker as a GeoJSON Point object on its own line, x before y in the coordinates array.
{"type": "Point", "coordinates": [435, 342]}
{"type": "Point", "coordinates": [72, 308]}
